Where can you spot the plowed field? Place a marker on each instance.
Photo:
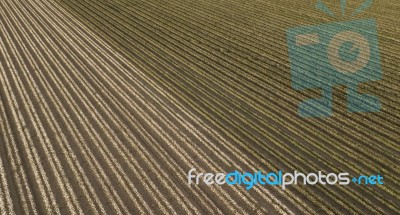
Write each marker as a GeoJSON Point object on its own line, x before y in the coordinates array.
{"type": "Point", "coordinates": [105, 105]}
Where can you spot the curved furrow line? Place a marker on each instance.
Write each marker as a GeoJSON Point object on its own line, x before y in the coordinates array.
{"type": "Point", "coordinates": [7, 202]}
{"type": "Point", "coordinates": [38, 171]}
{"type": "Point", "coordinates": [19, 176]}
{"type": "Point", "coordinates": [52, 151]}
{"type": "Point", "coordinates": [69, 151]}
{"type": "Point", "coordinates": [5, 198]}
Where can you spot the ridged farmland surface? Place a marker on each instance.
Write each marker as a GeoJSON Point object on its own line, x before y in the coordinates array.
{"type": "Point", "coordinates": [106, 105]}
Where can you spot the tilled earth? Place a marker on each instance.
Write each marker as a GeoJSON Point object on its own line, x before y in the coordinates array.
{"type": "Point", "coordinates": [106, 105]}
